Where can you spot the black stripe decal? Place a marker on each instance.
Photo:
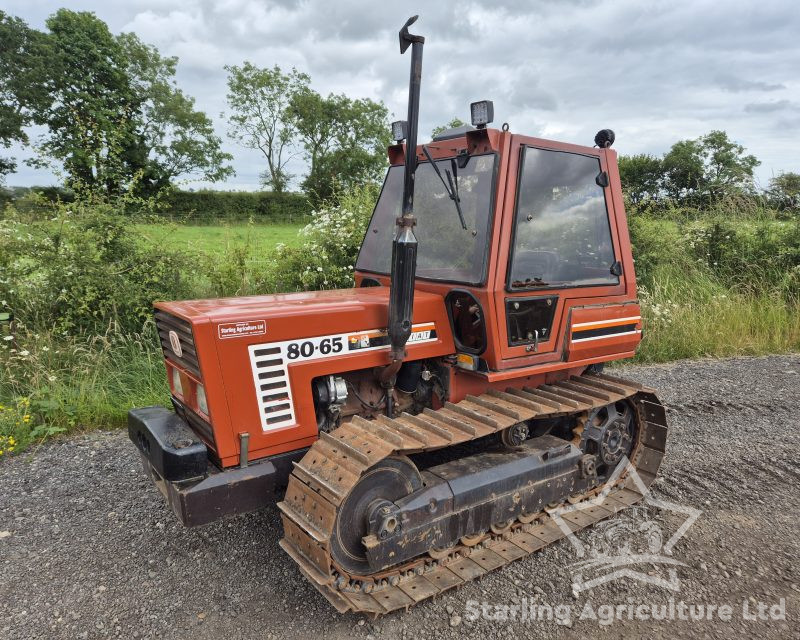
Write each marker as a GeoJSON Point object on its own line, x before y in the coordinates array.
{"type": "Point", "coordinates": [603, 331]}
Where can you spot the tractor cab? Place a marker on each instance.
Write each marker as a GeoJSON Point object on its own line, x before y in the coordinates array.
{"type": "Point", "coordinates": [522, 237]}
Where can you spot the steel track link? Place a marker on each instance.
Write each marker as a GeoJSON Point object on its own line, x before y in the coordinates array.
{"type": "Point", "coordinates": [333, 465]}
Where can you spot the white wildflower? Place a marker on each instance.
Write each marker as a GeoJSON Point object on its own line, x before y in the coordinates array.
{"type": "Point", "coordinates": [8, 338]}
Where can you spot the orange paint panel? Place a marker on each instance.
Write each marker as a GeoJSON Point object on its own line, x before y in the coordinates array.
{"type": "Point", "coordinates": [603, 330]}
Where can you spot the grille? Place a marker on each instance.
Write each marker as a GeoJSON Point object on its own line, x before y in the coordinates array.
{"type": "Point", "coordinates": [272, 385]}
{"type": "Point", "coordinates": [165, 323]}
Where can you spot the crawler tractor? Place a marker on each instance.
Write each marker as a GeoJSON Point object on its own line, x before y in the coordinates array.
{"type": "Point", "coordinates": [418, 430]}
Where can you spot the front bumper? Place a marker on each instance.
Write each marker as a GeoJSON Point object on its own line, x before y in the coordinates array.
{"type": "Point", "coordinates": [199, 492]}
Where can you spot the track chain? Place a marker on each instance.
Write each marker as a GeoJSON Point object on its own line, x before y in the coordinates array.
{"type": "Point", "coordinates": [333, 465]}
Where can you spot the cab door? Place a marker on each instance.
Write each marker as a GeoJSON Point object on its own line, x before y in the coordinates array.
{"type": "Point", "coordinates": [558, 246]}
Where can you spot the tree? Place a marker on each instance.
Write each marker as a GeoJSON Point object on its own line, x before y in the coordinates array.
{"type": "Point", "coordinates": [454, 123]}
{"type": "Point", "coordinates": [114, 116]}
{"type": "Point", "coordinates": [23, 82]}
{"type": "Point", "coordinates": [708, 168]}
{"type": "Point", "coordinates": [728, 168]}
{"type": "Point", "coordinates": [169, 137]}
{"type": "Point", "coordinates": [640, 176]}
{"type": "Point", "coordinates": [92, 102]}
{"type": "Point", "coordinates": [683, 169]}
{"type": "Point", "coordinates": [784, 190]}
{"type": "Point", "coordinates": [345, 140]}
{"type": "Point", "coordinates": [259, 101]}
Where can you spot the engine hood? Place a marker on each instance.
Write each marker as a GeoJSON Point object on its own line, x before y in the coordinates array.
{"type": "Point", "coordinates": [295, 315]}
{"type": "Point", "coordinates": [257, 357]}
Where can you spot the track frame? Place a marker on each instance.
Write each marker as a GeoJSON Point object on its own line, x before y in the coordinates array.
{"type": "Point", "coordinates": [322, 479]}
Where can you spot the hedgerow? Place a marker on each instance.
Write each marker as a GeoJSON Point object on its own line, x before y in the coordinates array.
{"type": "Point", "coordinates": [83, 270]}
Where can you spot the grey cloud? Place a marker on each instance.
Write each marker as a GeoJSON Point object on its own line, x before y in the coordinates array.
{"type": "Point", "coordinates": [771, 107]}
{"type": "Point", "coordinates": [738, 85]}
{"type": "Point", "coordinates": [787, 124]}
{"type": "Point", "coordinates": [527, 93]}
{"type": "Point", "coordinates": [654, 72]}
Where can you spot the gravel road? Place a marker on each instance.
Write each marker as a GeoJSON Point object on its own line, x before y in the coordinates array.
{"type": "Point", "coordinates": [88, 549]}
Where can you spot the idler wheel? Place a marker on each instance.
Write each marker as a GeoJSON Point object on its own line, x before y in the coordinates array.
{"type": "Point", "coordinates": [389, 480]}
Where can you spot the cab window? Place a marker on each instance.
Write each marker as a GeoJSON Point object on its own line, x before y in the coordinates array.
{"type": "Point", "coordinates": [562, 236]}
{"type": "Point", "coordinates": [446, 251]}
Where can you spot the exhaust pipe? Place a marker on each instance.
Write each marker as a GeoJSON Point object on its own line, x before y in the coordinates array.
{"type": "Point", "coordinates": [404, 245]}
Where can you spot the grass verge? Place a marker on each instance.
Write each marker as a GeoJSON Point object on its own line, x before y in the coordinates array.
{"type": "Point", "coordinates": [51, 385]}
{"type": "Point", "coordinates": [695, 316]}
{"type": "Point", "coordinates": [81, 383]}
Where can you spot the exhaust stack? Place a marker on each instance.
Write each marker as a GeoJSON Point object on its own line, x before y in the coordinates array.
{"type": "Point", "coordinates": [404, 245]}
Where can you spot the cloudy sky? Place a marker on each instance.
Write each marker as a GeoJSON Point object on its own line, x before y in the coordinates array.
{"type": "Point", "coordinates": [653, 71]}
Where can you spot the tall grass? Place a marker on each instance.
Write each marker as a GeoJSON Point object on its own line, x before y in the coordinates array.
{"type": "Point", "coordinates": [79, 382]}
{"type": "Point", "coordinates": [695, 315]}
{"type": "Point", "coordinates": [717, 285]}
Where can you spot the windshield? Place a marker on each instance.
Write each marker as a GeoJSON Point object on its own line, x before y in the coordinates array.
{"type": "Point", "coordinates": [446, 251]}
{"type": "Point", "coordinates": [561, 231]}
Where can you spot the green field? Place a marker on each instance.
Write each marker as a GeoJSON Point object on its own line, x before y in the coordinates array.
{"type": "Point", "coordinates": [214, 239]}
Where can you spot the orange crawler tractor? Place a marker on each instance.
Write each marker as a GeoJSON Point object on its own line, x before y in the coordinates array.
{"type": "Point", "coordinates": [417, 430]}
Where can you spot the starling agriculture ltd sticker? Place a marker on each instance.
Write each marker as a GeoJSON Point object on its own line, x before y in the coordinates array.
{"type": "Point", "coordinates": [635, 544]}
{"type": "Point", "coordinates": [227, 330]}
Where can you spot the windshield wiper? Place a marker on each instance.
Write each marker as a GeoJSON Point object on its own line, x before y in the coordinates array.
{"type": "Point", "coordinates": [450, 186]}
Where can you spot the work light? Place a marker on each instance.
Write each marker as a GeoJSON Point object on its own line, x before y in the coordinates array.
{"type": "Point", "coordinates": [399, 129]}
{"type": "Point", "coordinates": [482, 113]}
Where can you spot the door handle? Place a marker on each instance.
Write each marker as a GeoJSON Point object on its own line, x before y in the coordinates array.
{"type": "Point", "coordinates": [535, 346]}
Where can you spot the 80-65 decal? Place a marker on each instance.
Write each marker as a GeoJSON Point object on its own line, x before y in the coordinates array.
{"type": "Point", "coordinates": [357, 342]}
{"type": "Point", "coordinates": [308, 348]}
